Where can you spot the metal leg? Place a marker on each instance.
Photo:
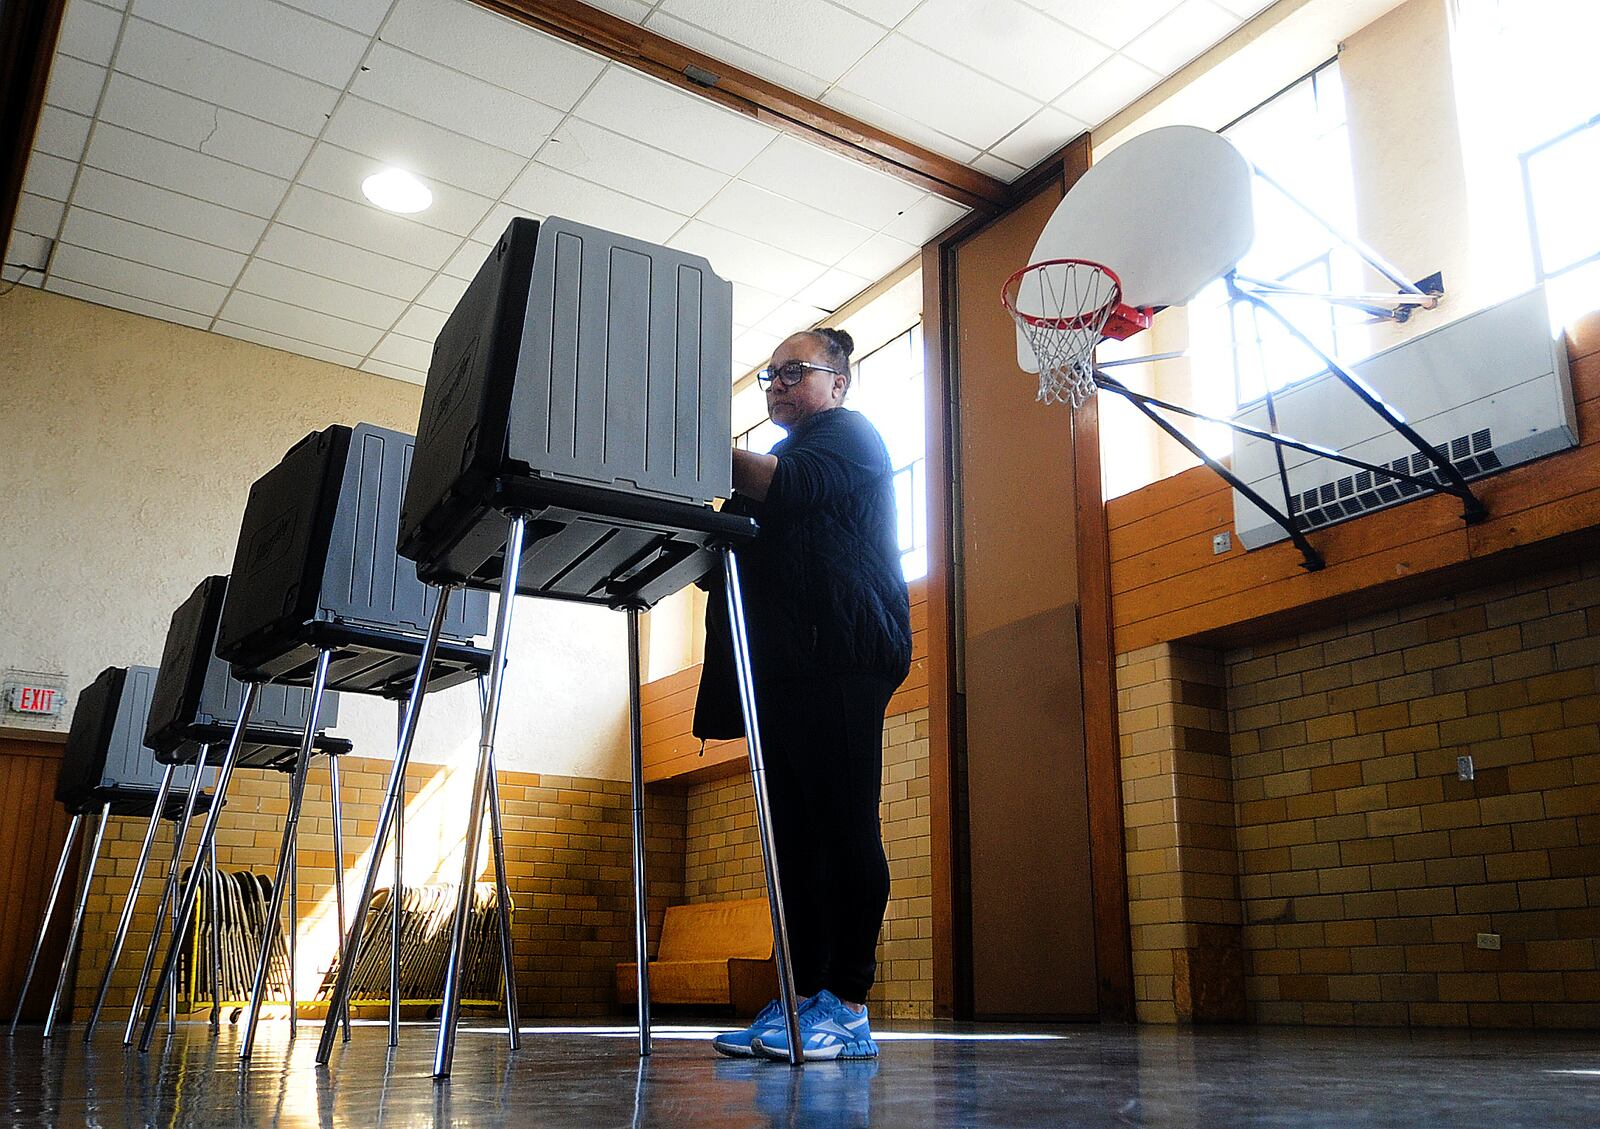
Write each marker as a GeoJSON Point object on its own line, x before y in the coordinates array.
{"type": "Point", "coordinates": [49, 912]}
{"type": "Point", "coordinates": [77, 922]}
{"type": "Point", "coordinates": [293, 882]}
{"type": "Point", "coordinates": [502, 882]}
{"type": "Point", "coordinates": [337, 808]}
{"type": "Point", "coordinates": [126, 919]}
{"type": "Point", "coordinates": [393, 800]}
{"type": "Point", "coordinates": [169, 890]}
{"type": "Point", "coordinates": [286, 868]}
{"type": "Point", "coordinates": [208, 839]}
{"type": "Point", "coordinates": [758, 773]}
{"type": "Point", "coordinates": [450, 1010]}
{"type": "Point", "coordinates": [397, 893]}
{"type": "Point", "coordinates": [641, 938]}
{"type": "Point", "coordinates": [214, 935]}
{"type": "Point", "coordinates": [178, 928]}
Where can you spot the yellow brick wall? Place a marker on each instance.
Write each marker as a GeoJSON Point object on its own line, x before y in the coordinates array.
{"type": "Point", "coordinates": [722, 859]}
{"type": "Point", "coordinates": [568, 855]}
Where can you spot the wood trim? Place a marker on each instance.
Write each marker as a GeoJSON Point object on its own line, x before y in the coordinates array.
{"type": "Point", "coordinates": [28, 32]}
{"type": "Point", "coordinates": [625, 42]}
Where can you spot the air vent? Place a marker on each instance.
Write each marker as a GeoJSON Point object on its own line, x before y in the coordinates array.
{"type": "Point", "coordinates": [1473, 455]}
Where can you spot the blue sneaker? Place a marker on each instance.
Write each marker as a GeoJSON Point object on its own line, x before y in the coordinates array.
{"type": "Point", "coordinates": [828, 1030]}
{"type": "Point", "coordinates": [741, 1044]}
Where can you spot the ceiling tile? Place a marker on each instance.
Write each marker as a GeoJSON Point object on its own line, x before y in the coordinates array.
{"type": "Point", "coordinates": [886, 12]}
{"type": "Point", "coordinates": [211, 74]}
{"type": "Point", "coordinates": [1110, 87]}
{"type": "Point", "coordinates": [94, 269]}
{"type": "Point", "coordinates": [364, 226]}
{"type": "Point", "coordinates": [925, 219]}
{"type": "Point", "coordinates": [49, 176]}
{"type": "Point", "coordinates": [342, 262]}
{"type": "Point", "coordinates": [427, 150]}
{"type": "Point", "coordinates": [408, 352]}
{"type": "Point", "coordinates": [900, 125]}
{"type": "Point", "coordinates": [89, 32]}
{"type": "Point", "coordinates": [74, 85]}
{"type": "Point", "coordinates": [167, 211]}
{"type": "Point", "coordinates": [364, 16]}
{"type": "Point", "coordinates": [1038, 137]}
{"type": "Point", "coordinates": [651, 111]}
{"type": "Point", "coordinates": [422, 323]}
{"type": "Point", "coordinates": [795, 227]}
{"type": "Point", "coordinates": [127, 302]}
{"type": "Point", "coordinates": [810, 34]}
{"type": "Point", "coordinates": [735, 54]}
{"type": "Point", "coordinates": [454, 101]}
{"type": "Point", "coordinates": [634, 10]}
{"type": "Point", "coordinates": [833, 290]}
{"type": "Point", "coordinates": [878, 256]}
{"type": "Point", "coordinates": [754, 347]}
{"type": "Point", "coordinates": [27, 250]}
{"type": "Point", "coordinates": [394, 372]}
{"type": "Point", "coordinates": [287, 39]}
{"type": "Point", "coordinates": [299, 324]}
{"type": "Point", "coordinates": [1008, 41]}
{"type": "Point", "coordinates": [117, 150]}
{"type": "Point", "coordinates": [286, 343]}
{"type": "Point", "coordinates": [790, 318]}
{"type": "Point", "coordinates": [153, 248]}
{"type": "Point", "coordinates": [315, 292]}
{"type": "Point", "coordinates": [443, 293]}
{"type": "Point", "coordinates": [61, 133]}
{"type": "Point", "coordinates": [909, 79]}
{"type": "Point", "coordinates": [751, 304]}
{"type": "Point", "coordinates": [340, 173]}
{"type": "Point", "coordinates": [203, 127]}
{"type": "Point", "coordinates": [741, 259]}
{"type": "Point", "coordinates": [493, 48]}
{"type": "Point", "coordinates": [1112, 24]}
{"type": "Point", "coordinates": [1244, 9]}
{"type": "Point", "coordinates": [39, 215]}
{"type": "Point", "coordinates": [993, 166]}
{"type": "Point", "coordinates": [543, 191]}
{"type": "Point", "coordinates": [466, 263]}
{"type": "Point", "coordinates": [1191, 28]}
{"type": "Point", "coordinates": [841, 187]}
{"type": "Point", "coordinates": [645, 173]}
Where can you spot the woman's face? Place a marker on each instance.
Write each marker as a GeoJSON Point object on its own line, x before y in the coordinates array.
{"type": "Point", "coordinates": [816, 392]}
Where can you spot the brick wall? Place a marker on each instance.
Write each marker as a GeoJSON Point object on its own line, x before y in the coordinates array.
{"type": "Point", "coordinates": [1364, 869]}
{"type": "Point", "coordinates": [568, 855]}
{"type": "Point", "coordinates": [722, 859]}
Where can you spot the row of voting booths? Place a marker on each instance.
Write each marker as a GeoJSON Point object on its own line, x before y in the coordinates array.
{"type": "Point", "coordinates": [574, 436]}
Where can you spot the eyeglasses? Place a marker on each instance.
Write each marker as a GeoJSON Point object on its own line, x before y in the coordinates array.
{"type": "Point", "coordinates": [790, 373]}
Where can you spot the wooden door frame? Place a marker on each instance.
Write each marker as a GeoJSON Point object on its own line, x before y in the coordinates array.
{"type": "Point", "coordinates": [952, 995]}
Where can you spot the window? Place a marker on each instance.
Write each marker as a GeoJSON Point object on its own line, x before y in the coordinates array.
{"type": "Point", "coordinates": [1558, 179]}
{"type": "Point", "coordinates": [887, 388]}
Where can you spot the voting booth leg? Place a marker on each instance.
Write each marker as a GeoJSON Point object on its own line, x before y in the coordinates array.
{"type": "Point", "coordinates": [397, 890]}
{"type": "Point", "coordinates": [169, 893]}
{"type": "Point", "coordinates": [208, 839]}
{"type": "Point", "coordinates": [214, 934]}
{"type": "Point", "coordinates": [336, 805]}
{"type": "Point", "coordinates": [286, 869]}
{"type": "Point", "coordinates": [391, 813]}
{"type": "Point", "coordinates": [49, 912]}
{"type": "Point", "coordinates": [502, 890]}
{"type": "Point", "coordinates": [77, 922]}
{"type": "Point", "coordinates": [450, 1009]}
{"type": "Point", "coordinates": [758, 775]}
{"type": "Point", "coordinates": [121, 935]}
{"type": "Point", "coordinates": [641, 936]}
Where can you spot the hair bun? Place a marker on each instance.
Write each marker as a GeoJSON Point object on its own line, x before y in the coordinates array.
{"type": "Point", "coordinates": [841, 339]}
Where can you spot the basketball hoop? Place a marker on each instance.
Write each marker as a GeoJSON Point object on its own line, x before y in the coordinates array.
{"type": "Point", "coordinates": [1061, 306]}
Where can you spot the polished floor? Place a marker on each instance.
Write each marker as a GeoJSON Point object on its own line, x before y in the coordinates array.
{"type": "Point", "coordinates": [929, 1076]}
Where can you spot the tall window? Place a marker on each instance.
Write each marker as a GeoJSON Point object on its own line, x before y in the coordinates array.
{"type": "Point", "coordinates": [1559, 178]}
{"type": "Point", "coordinates": [887, 388]}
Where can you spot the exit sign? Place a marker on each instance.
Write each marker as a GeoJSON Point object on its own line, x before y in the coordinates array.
{"type": "Point", "coordinates": [39, 701]}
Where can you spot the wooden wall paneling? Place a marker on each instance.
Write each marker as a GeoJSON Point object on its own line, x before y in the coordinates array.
{"type": "Point", "coordinates": [28, 32]}
{"type": "Point", "coordinates": [33, 828]}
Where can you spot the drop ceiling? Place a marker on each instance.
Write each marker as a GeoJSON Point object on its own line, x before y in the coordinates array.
{"type": "Point", "coordinates": [201, 162]}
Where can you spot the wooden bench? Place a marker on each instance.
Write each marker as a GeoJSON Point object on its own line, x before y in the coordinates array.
{"type": "Point", "coordinates": [710, 953]}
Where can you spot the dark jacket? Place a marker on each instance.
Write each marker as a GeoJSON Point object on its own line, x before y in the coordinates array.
{"type": "Point", "coordinates": [823, 589]}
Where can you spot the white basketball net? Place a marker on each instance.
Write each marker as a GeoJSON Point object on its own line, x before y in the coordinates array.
{"type": "Point", "coordinates": [1062, 306]}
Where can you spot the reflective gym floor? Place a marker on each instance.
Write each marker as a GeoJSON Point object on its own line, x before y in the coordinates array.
{"type": "Point", "coordinates": [928, 1076]}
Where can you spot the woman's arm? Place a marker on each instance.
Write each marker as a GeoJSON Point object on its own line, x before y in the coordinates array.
{"type": "Point", "coordinates": [752, 473]}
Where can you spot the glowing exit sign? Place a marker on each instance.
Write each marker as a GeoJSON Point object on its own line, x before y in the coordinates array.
{"type": "Point", "coordinates": [38, 701]}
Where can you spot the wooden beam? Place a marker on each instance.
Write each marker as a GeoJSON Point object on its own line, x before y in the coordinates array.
{"type": "Point", "coordinates": [625, 42]}
{"type": "Point", "coordinates": [28, 31]}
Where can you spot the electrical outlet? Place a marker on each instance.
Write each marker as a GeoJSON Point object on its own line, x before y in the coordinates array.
{"type": "Point", "coordinates": [1221, 543]}
{"type": "Point", "coordinates": [1489, 941]}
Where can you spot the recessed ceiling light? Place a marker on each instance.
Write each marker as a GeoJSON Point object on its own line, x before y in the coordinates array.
{"type": "Point", "coordinates": [395, 190]}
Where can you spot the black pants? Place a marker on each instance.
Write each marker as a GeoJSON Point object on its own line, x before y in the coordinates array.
{"type": "Point", "coordinates": [822, 740]}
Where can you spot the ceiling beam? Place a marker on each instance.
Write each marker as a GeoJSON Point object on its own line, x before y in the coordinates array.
{"type": "Point", "coordinates": [625, 42]}
{"type": "Point", "coordinates": [28, 30]}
